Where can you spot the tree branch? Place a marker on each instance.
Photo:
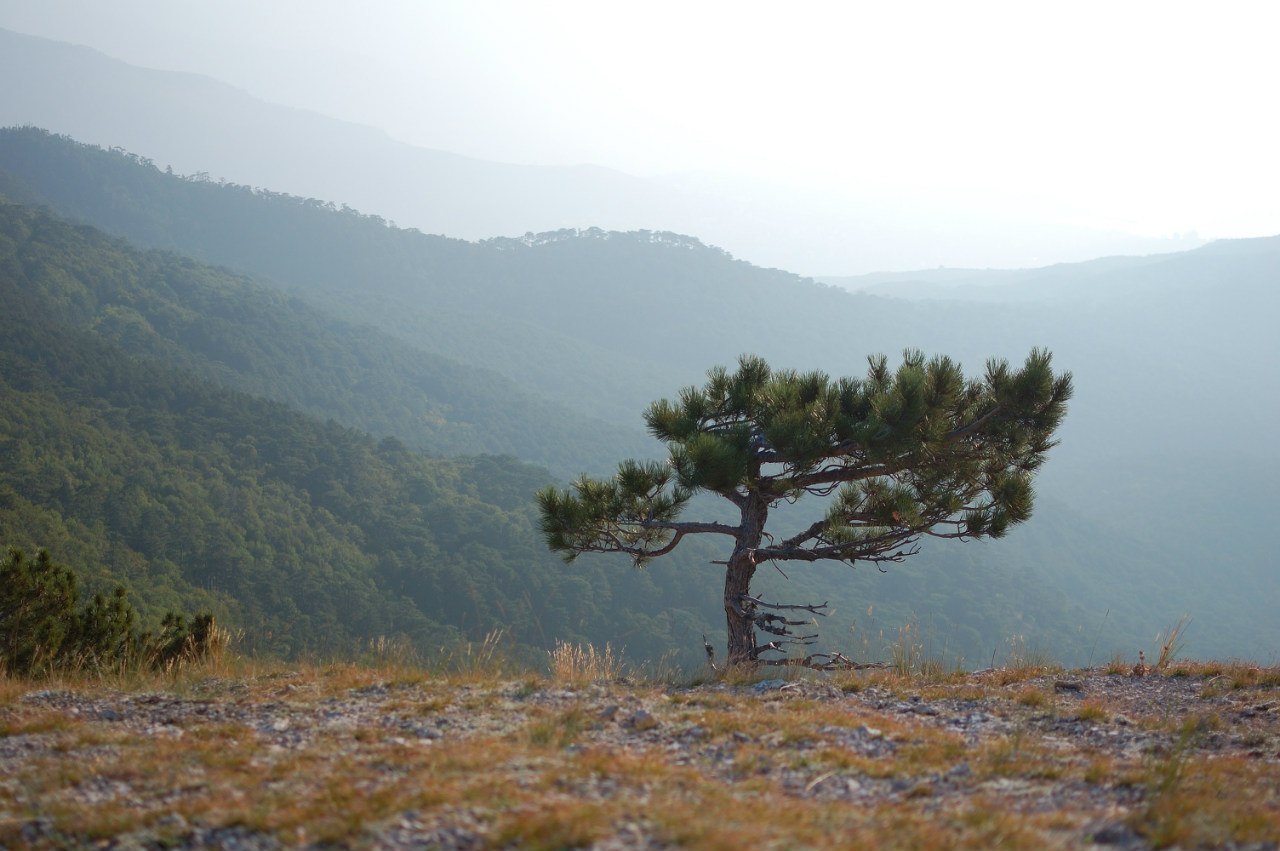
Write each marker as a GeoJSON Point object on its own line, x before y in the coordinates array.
{"type": "Point", "coordinates": [778, 646]}
{"type": "Point", "coordinates": [976, 425]}
{"type": "Point", "coordinates": [872, 549]}
{"type": "Point", "coordinates": [841, 473]}
{"type": "Point", "coordinates": [684, 528]}
{"type": "Point", "coordinates": [783, 607]}
{"type": "Point", "coordinates": [635, 552]}
{"type": "Point", "coordinates": [834, 661]}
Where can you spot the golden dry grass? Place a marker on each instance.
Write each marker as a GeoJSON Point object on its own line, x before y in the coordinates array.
{"type": "Point", "coordinates": [579, 664]}
{"type": "Point", "coordinates": [557, 761]}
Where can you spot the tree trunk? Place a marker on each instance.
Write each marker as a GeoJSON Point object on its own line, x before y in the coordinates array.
{"type": "Point", "coordinates": [742, 627]}
{"type": "Point", "coordinates": [740, 616]}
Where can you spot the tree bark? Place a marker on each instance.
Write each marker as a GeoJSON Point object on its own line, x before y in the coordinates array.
{"type": "Point", "coordinates": [739, 614]}
{"type": "Point", "coordinates": [742, 627]}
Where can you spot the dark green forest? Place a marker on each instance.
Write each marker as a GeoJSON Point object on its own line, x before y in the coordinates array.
{"type": "Point", "coordinates": [236, 332]}
{"type": "Point", "coordinates": [508, 346]}
{"type": "Point", "coordinates": [311, 536]}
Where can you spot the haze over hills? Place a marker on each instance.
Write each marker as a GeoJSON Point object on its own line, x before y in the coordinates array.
{"type": "Point", "coordinates": [616, 320]}
{"type": "Point", "coordinates": [1103, 278]}
{"type": "Point", "coordinates": [230, 329]}
{"type": "Point", "coordinates": [1146, 509]}
{"type": "Point", "coordinates": [197, 125]}
{"type": "Point", "coordinates": [127, 456]}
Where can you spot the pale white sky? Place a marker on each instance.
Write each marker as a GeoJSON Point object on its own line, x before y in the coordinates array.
{"type": "Point", "coordinates": [1148, 117]}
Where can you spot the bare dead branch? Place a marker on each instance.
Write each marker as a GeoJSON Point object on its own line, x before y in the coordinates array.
{"type": "Point", "coordinates": [814, 609]}
{"type": "Point", "coordinates": [711, 652]}
{"type": "Point", "coordinates": [777, 624]}
{"type": "Point", "coordinates": [780, 646]}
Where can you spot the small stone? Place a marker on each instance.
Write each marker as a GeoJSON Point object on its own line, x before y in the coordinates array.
{"type": "Point", "coordinates": [35, 830]}
{"type": "Point", "coordinates": [769, 685]}
{"type": "Point", "coordinates": [1116, 833]}
{"type": "Point", "coordinates": [610, 712]}
{"type": "Point", "coordinates": [1068, 685]}
{"type": "Point", "coordinates": [642, 719]}
{"type": "Point", "coordinates": [173, 822]}
{"type": "Point", "coordinates": [109, 715]}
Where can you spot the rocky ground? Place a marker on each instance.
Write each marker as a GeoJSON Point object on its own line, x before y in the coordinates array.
{"type": "Point", "coordinates": [1189, 757]}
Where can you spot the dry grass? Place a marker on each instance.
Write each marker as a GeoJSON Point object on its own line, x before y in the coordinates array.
{"type": "Point", "coordinates": [1034, 697]}
{"type": "Point", "coordinates": [580, 664]}
{"type": "Point", "coordinates": [1117, 666]}
{"type": "Point", "coordinates": [555, 761]}
{"type": "Point", "coordinates": [1171, 642]}
{"type": "Point", "coordinates": [1092, 711]}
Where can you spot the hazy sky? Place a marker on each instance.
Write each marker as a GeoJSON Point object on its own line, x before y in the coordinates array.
{"type": "Point", "coordinates": [1152, 118]}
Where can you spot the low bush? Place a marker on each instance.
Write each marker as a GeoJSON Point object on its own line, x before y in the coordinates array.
{"type": "Point", "coordinates": [43, 627]}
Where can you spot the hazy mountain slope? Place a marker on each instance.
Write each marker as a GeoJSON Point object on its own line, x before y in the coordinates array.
{"type": "Point", "coordinates": [1177, 367]}
{"type": "Point", "coordinates": [606, 322]}
{"type": "Point", "coordinates": [196, 124]}
{"type": "Point", "coordinates": [1155, 275]}
{"type": "Point", "coordinates": [240, 334]}
{"type": "Point", "coordinates": [502, 305]}
{"type": "Point", "coordinates": [312, 537]}
{"type": "Point", "coordinates": [599, 320]}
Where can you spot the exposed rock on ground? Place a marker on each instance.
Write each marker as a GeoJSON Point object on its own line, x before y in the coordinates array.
{"type": "Point", "coordinates": [1028, 759]}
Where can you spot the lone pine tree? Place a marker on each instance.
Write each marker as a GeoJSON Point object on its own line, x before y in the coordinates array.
{"type": "Point", "coordinates": [899, 455]}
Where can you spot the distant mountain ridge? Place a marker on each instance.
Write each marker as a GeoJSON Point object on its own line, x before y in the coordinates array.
{"type": "Point", "coordinates": [1106, 276]}
{"type": "Point", "coordinates": [240, 334]}
{"type": "Point", "coordinates": [198, 125]}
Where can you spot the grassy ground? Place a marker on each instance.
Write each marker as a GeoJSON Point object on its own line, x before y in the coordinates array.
{"type": "Point", "coordinates": [478, 755]}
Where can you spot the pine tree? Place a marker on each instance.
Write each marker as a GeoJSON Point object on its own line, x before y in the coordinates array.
{"type": "Point", "coordinates": [41, 630]}
{"type": "Point", "coordinates": [105, 631]}
{"type": "Point", "coordinates": [37, 607]}
{"type": "Point", "coordinates": [900, 455]}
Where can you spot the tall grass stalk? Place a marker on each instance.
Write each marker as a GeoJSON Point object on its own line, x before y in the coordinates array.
{"type": "Point", "coordinates": [579, 664]}
{"type": "Point", "coordinates": [1171, 643]}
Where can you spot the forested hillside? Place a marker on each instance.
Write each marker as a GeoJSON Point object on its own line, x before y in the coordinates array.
{"type": "Point", "coordinates": [313, 537]}
{"type": "Point", "coordinates": [605, 322]}
{"type": "Point", "coordinates": [1142, 513]}
{"type": "Point", "coordinates": [235, 332]}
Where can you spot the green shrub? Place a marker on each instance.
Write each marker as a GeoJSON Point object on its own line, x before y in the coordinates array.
{"type": "Point", "coordinates": [43, 628]}
{"type": "Point", "coordinates": [37, 603]}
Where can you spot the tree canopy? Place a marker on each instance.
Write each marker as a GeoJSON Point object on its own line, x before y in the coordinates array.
{"type": "Point", "coordinates": [899, 455]}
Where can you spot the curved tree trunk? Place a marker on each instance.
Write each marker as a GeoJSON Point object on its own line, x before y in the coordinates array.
{"type": "Point", "coordinates": [739, 615]}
